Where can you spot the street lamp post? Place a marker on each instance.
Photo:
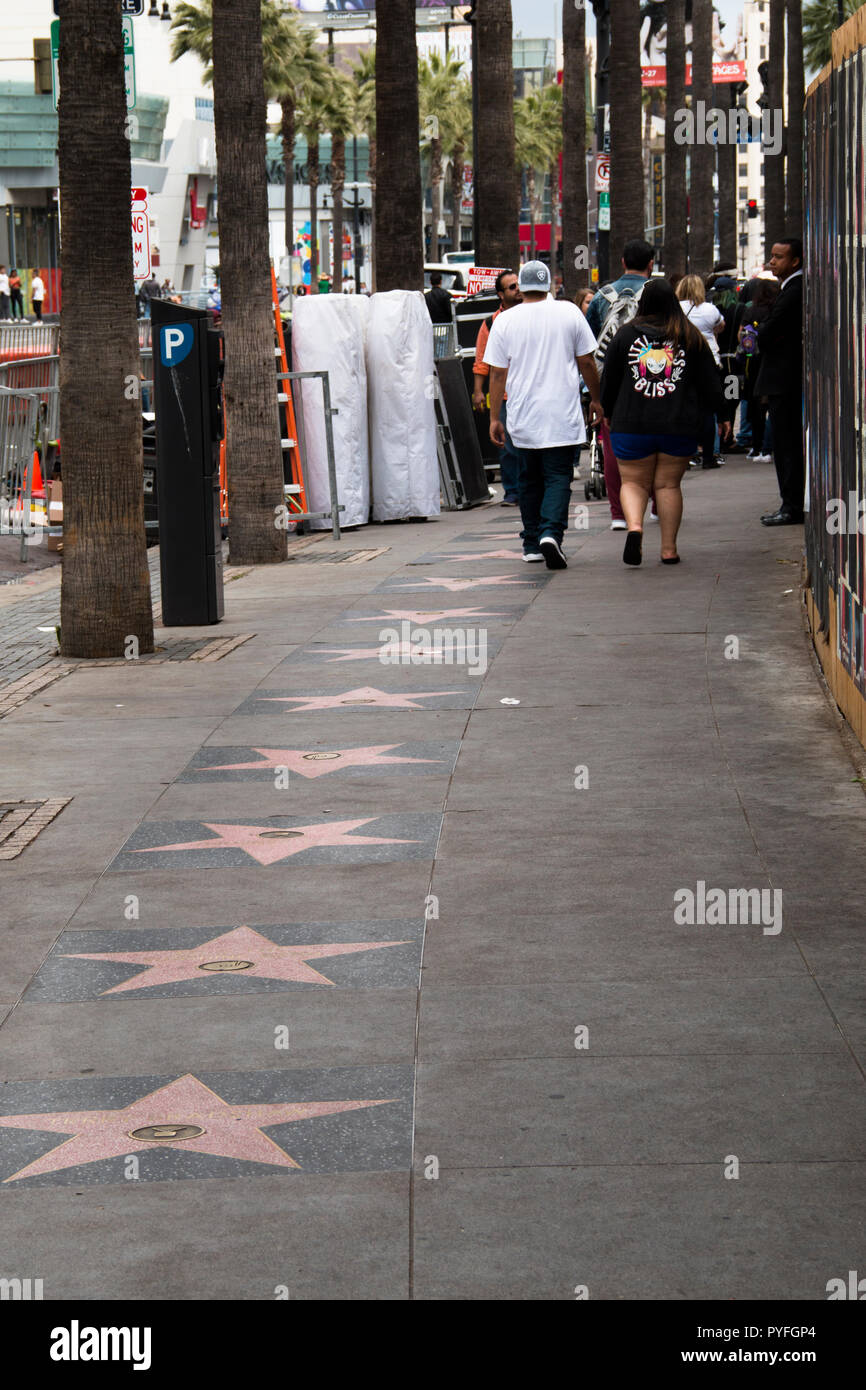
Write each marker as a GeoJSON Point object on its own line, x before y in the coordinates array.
{"type": "Point", "coordinates": [356, 205]}
{"type": "Point", "coordinates": [602, 97]}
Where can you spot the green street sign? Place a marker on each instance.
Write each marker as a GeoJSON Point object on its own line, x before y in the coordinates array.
{"type": "Point", "coordinates": [128, 60]}
{"type": "Point", "coordinates": [55, 60]}
{"type": "Point", "coordinates": [604, 200]}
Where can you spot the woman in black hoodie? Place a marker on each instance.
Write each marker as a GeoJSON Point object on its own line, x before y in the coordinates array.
{"type": "Point", "coordinates": [658, 386]}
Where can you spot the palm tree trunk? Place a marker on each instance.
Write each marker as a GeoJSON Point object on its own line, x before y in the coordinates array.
{"type": "Point", "coordinates": [287, 133]}
{"type": "Point", "coordinates": [675, 153]}
{"type": "Point", "coordinates": [726, 163]}
{"type": "Point", "coordinates": [575, 234]}
{"type": "Point", "coordinates": [701, 200]}
{"type": "Point", "coordinates": [627, 216]}
{"type": "Point", "coordinates": [498, 203]}
{"type": "Point", "coordinates": [371, 175]}
{"type": "Point", "coordinates": [313, 179]}
{"type": "Point", "coordinates": [532, 214]}
{"type": "Point", "coordinates": [254, 459]}
{"type": "Point", "coordinates": [796, 97]}
{"type": "Point", "coordinates": [456, 195]}
{"type": "Point", "coordinates": [105, 594]}
{"type": "Point", "coordinates": [774, 164]}
{"type": "Point", "coordinates": [338, 179]}
{"type": "Point", "coordinates": [399, 213]}
{"type": "Point", "coordinates": [435, 198]}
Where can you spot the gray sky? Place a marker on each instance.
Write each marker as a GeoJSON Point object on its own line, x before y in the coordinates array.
{"type": "Point", "coordinates": [536, 19]}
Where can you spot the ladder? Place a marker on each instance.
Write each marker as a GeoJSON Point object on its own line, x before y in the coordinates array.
{"type": "Point", "coordinates": [296, 500]}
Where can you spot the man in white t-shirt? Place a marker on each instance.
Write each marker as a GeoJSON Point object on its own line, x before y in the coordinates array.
{"type": "Point", "coordinates": [541, 348]}
{"type": "Point", "coordinates": [37, 294]}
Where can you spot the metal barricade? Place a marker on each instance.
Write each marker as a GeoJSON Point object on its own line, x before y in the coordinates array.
{"type": "Point", "coordinates": [20, 340]}
{"type": "Point", "coordinates": [329, 412]}
{"type": "Point", "coordinates": [444, 340]}
{"type": "Point", "coordinates": [42, 376]}
{"type": "Point", "coordinates": [21, 417]}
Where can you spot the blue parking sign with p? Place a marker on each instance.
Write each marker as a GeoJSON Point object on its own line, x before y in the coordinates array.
{"type": "Point", "coordinates": [175, 343]}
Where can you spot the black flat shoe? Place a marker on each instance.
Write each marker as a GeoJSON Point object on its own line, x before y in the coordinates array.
{"type": "Point", "coordinates": [633, 552]}
{"type": "Point", "coordinates": [783, 518]}
{"type": "Point", "coordinates": [670, 560]}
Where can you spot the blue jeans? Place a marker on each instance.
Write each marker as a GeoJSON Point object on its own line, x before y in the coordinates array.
{"type": "Point", "coordinates": [509, 461]}
{"type": "Point", "coordinates": [544, 490]}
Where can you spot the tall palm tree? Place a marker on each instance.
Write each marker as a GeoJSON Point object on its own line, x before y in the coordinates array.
{"type": "Point", "coordinates": [820, 19]}
{"type": "Point", "coordinates": [291, 59]}
{"type": "Point", "coordinates": [726, 165]}
{"type": "Point", "coordinates": [340, 118]}
{"type": "Point", "coordinates": [701, 154]}
{"type": "Point", "coordinates": [676, 210]}
{"type": "Point", "coordinates": [437, 79]}
{"type": "Point", "coordinates": [254, 459]}
{"type": "Point", "coordinates": [363, 74]}
{"type": "Point", "coordinates": [458, 135]}
{"type": "Point", "coordinates": [575, 233]}
{"type": "Point", "coordinates": [398, 215]}
{"type": "Point", "coordinates": [538, 140]}
{"type": "Point", "coordinates": [796, 98]}
{"type": "Point", "coordinates": [627, 215]}
{"type": "Point", "coordinates": [774, 164]}
{"type": "Point", "coordinates": [495, 190]}
{"type": "Point", "coordinates": [105, 593]}
{"type": "Point", "coordinates": [312, 119]}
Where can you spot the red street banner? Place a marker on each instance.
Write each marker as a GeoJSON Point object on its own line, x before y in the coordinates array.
{"type": "Point", "coordinates": [722, 72]}
{"type": "Point", "coordinates": [482, 278]}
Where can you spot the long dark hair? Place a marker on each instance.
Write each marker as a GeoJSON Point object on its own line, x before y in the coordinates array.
{"type": "Point", "coordinates": [660, 308]}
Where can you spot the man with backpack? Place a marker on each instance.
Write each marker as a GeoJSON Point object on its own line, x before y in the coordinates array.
{"type": "Point", "coordinates": [613, 306]}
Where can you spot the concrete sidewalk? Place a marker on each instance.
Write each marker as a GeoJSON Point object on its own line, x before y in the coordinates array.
{"type": "Point", "coordinates": [222, 1080]}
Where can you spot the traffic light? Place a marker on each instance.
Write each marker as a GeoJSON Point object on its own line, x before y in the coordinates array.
{"type": "Point", "coordinates": [753, 207]}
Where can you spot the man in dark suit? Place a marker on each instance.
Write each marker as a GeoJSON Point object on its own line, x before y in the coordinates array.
{"type": "Point", "coordinates": [780, 379]}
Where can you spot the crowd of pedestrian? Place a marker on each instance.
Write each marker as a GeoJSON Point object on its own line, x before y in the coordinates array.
{"type": "Point", "coordinates": [664, 368]}
{"type": "Point", "coordinates": [12, 297]}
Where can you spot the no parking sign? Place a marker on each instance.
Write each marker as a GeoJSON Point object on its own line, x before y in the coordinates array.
{"type": "Point", "coordinates": [140, 235]}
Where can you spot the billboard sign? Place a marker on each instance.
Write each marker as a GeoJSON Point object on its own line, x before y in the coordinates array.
{"type": "Point", "coordinates": [729, 44]}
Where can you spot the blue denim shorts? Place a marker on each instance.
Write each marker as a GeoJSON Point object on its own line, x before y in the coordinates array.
{"type": "Point", "coordinates": [641, 446]}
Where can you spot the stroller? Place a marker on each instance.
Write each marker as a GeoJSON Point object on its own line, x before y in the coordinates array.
{"type": "Point", "coordinates": [594, 487]}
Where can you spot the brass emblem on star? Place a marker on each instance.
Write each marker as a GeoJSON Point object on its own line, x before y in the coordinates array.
{"type": "Point", "coordinates": [320, 757]}
{"type": "Point", "coordinates": [168, 1133]}
{"type": "Point", "coordinates": [226, 965]}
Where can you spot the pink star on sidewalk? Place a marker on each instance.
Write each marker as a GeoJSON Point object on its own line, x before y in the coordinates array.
{"type": "Point", "coordinates": [456, 585]}
{"type": "Point", "coordinates": [227, 1130]}
{"type": "Point", "coordinates": [269, 846]}
{"type": "Point", "coordinates": [435, 615]}
{"type": "Point", "coordinates": [250, 953]}
{"type": "Point", "coordinates": [317, 764]}
{"type": "Point", "coordinates": [395, 650]}
{"type": "Point", "coordinates": [364, 695]}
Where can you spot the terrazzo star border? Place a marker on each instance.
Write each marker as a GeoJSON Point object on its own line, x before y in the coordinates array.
{"type": "Point", "coordinates": [279, 840]}
{"type": "Point", "coordinates": [469, 615]}
{"type": "Point", "coordinates": [255, 764]}
{"type": "Point", "coordinates": [201, 962]}
{"type": "Point", "coordinates": [207, 1125]}
{"type": "Point", "coordinates": [467, 557]}
{"type": "Point", "coordinates": [456, 585]}
{"type": "Point", "coordinates": [361, 699]}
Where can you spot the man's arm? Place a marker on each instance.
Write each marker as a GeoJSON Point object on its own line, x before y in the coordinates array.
{"type": "Point", "coordinates": [589, 372]}
{"type": "Point", "coordinates": [498, 378]}
{"type": "Point", "coordinates": [480, 368]}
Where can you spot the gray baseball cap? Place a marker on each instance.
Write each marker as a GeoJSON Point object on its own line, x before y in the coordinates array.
{"type": "Point", "coordinates": [534, 277]}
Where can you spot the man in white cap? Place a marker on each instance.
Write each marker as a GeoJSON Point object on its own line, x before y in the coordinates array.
{"type": "Point", "coordinates": [541, 348]}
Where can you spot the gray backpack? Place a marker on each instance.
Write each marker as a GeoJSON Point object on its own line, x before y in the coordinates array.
{"type": "Point", "coordinates": [623, 307]}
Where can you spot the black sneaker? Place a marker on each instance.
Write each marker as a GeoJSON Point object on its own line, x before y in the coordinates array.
{"type": "Point", "coordinates": [552, 552]}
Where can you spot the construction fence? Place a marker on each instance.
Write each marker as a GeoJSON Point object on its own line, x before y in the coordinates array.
{"type": "Point", "coordinates": [835, 367]}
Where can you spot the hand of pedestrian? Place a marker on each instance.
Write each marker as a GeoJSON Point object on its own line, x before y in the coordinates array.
{"type": "Point", "coordinates": [596, 413]}
{"type": "Point", "coordinates": [478, 400]}
{"type": "Point", "coordinates": [497, 433]}
{"type": "Point", "coordinates": [726, 431]}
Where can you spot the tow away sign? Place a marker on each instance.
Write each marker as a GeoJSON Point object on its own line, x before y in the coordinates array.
{"type": "Point", "coordinates": [140, 234]}
{"type": "Point", "coordinates": [482, 278]}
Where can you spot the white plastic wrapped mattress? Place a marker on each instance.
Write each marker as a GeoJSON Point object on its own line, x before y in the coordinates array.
{"type": "Point", "coordinates": [403, 460]}
{"type": "Point", "coordinates": [328, 334]}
